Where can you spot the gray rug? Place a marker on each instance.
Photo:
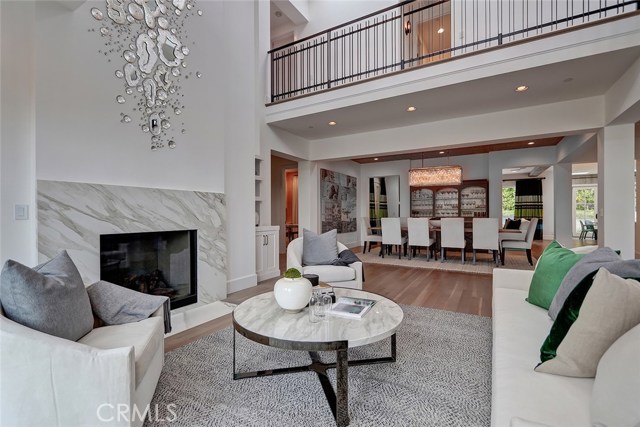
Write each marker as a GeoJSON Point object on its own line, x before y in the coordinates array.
{"type": "Point", "coordinates": [442, 378]}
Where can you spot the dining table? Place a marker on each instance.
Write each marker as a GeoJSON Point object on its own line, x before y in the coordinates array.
{"type": "Point", "coordinates": [468, 229]}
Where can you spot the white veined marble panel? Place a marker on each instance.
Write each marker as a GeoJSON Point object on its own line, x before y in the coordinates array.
{"type": "Point", "coordinates": [73, 215]}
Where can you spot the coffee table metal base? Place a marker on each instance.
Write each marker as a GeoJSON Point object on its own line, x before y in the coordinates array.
{"type": "Point", "coordinates": [339, 399]}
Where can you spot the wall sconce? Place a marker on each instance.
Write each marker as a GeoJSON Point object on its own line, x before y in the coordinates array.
{"type": "Point", "coordinates": [407, 27]}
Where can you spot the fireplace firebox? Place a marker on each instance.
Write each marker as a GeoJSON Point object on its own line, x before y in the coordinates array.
{"type": "Point", "coordinates": [157, 263]}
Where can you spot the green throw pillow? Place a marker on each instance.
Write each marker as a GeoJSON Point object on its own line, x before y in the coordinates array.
{"type": "Point", "coordinates": [553, 265]}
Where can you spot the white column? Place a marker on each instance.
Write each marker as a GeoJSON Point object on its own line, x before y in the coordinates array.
{"type": "Point", "coordinates": [562, 205]}
{"type": "Point", "coordinates": [495, 186]}
{"type": "Point", "coordinates": [616, 163]}
{"type": "Point", "coordinates": [308, 196]}
{"type": "Point", "coordinates": [241, 139]}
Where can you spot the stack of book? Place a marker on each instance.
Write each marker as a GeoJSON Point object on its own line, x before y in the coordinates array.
{"type": "Point", "coordinates": [352, 308]}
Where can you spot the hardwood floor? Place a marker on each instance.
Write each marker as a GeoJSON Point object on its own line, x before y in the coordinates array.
{"type": "Point", "coordinates": [444, 290]}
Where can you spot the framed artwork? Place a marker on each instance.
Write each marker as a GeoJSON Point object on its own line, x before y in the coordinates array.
{"type": "Point", "coordinates": [338, 200]}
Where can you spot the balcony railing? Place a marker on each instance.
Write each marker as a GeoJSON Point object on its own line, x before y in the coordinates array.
{"type": "Point", "coordinates": [418, 32]}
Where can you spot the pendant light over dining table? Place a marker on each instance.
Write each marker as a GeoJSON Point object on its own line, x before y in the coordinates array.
{"type": "Point", "coordinates": [437, 175]}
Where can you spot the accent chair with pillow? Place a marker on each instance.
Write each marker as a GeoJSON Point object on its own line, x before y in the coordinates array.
{"type": "Point", "coordinates": [57, 370]}
{"type": "Point", "coordinates": [317, 257]}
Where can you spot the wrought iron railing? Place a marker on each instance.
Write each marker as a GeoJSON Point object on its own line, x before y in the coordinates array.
{"type": "Point", "coordinates": [418, 32]}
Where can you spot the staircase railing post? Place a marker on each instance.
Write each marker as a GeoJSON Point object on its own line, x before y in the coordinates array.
{"type": "Point", "coordinates": [328, 59]}
{"type": "Point", "coordinates": [403, 35]}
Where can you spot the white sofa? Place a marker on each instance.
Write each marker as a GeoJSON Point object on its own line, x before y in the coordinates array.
{"type": "Point", "coordinates": [51, 381]}
{"type": "Point", "coordinates": [344, 276]}
{"type": "Point", "coordinates": [521, 396]}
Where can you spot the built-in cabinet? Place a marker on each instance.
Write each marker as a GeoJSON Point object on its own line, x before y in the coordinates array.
{"type": "Point", "coordinates": [469, 199]}
{"type": "Point", "coordinates": [259, 188]}
{"type": "Point", "coordinates": [267, 254]}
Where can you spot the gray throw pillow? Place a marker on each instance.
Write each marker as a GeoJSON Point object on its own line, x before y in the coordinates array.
{"type": "Point", "coordinates": [601, 257]}
{"type": "Point", "coordinates": [117, 305]}
{"type": "Point", "coordinates": [319, 249]}
{"type": "Point", "coordinates": [49, 298]}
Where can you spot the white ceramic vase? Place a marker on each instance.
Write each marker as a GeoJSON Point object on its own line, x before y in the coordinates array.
{"type": "Point", "coordinates": [292, 294]}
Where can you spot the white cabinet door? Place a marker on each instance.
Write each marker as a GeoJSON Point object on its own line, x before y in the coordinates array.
{"type": "Point", "coordinates": [267, 256]}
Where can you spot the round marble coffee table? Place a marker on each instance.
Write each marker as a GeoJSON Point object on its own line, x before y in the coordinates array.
{"type": "Point", "coordinates": [260, 319]}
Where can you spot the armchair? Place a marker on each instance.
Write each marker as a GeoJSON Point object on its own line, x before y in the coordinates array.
{"type": "Point", "coordinates": [344, 276]}
{"type": "Point", "coordinates": [53, 381]}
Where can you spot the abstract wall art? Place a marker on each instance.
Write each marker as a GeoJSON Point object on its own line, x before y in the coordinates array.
{"type": "Point", "coordinates": [147, 44]}
{"type": "Point", "coordinates": [338, 199]}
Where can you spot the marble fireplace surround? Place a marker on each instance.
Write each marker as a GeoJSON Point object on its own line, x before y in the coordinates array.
{"type": "Point", "coordinates": [73, 215]}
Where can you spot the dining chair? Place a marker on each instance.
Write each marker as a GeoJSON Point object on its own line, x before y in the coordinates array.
{"type": "Point", "coordinates": [419, 235]}
{"type": "Point", "coordinates": [520, 244]}
{"type": "Point", "coordinates": [583, 230]}
{"type": "Point", "coordinates": [366, 234]}
{"type": "Point", "coordinates": [485, 237]}
{"type": "Point", "coordinates": [590, 227]}
{"type": "Point", "coordinates": [392, 235]}
{"type": "Point", "coordinates": [451, 236]}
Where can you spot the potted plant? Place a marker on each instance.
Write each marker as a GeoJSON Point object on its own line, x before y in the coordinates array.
{"type": "Point", "coordinates": [292, 292]}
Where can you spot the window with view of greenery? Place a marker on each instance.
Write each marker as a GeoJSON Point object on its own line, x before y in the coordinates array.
{"type": "Point", "coordinates": [508, 202]}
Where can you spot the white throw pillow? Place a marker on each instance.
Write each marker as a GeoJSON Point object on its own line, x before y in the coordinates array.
{"type": "Point", "coordinates": [616, 390]}
{"type": "Point", "coordinates": [610, 309]}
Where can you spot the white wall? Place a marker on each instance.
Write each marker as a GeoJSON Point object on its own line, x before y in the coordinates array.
{"type": "Point", "coordinates": [79, 134]}
{"type": "Point", "coordinates": [17, 131]}
{"type": "Point", "coordinates": [324, 14]}
{"type": "Point", "coordinates": [65, 122]}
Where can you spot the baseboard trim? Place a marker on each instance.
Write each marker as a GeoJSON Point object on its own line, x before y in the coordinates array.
{"type": "Point", "coordinates": [241, 283]}
{"type": "Point", "coordinates": [265, 275]}
{"type": "Point", "coordinates": [548, 236]}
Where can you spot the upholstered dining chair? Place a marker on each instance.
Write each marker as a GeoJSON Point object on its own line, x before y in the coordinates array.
{"type": "Point", "coordinates": [520, 244]}
{"type": "Point", "coordinates": [485, 236]}
{"type": "Point", "coordinates": [418, 230]}
{"type": "Point", "coordinates": [451, 236]}
{"type": "Point", "coordinates": [392, 235]}
{"type": "Point", "coordinates": [366, 234]}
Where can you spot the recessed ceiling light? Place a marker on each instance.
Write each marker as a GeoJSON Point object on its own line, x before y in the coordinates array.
{"type": "Point", "coordinates": [278, 14]}
{"type": "Point", "coordinates": [411, 109]}
{"type": "Point", "coordinates": [440, 30]}
{"type": "Point", "coordinates": [530, 142]}
{"type": "Point", "coordinates": [375, 158]}
{"type": "Point", "coordinates": [442, 152]}
{"type": "Point", "coordinates": [332, 123]}
{"type": "Point", "coordinates": [522, 88]}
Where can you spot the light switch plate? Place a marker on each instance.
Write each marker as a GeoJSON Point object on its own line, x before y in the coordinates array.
{"type": "Point", "coordinates": [21, 212]}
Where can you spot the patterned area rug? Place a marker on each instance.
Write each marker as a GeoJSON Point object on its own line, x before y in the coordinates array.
{"type": "Point", "coordinates": [484, 261]}
{"type": "Point", "coordinates": [442, 377]}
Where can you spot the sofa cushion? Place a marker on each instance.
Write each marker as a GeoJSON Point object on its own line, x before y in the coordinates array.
{"type": "Point", "coordinates": [331, 273]}
{"type": "Point", "coordinates": [319, 249]}
{"type": "Point", "coordinates": [611, 307]}
{"type": "Point", "coordinates": [616, 389]}
{"type": "Point", "coordinates": [589, 263]}
{"type": "Point", "coordinates": [517, 390]}
{"type": "Point", "coordinates": [49, 298]}
{"type": "Point", "coordinates": [145, 336]}
{"type": "Point", "coordinates": [553, 265]}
